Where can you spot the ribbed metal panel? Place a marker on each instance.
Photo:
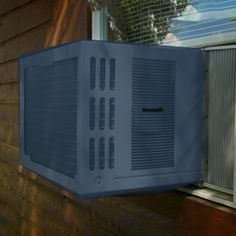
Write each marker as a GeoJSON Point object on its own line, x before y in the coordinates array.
{"type": "Point", "coordinates": [51, 115]}
{"type": "Point", "coordinates": [153, 114]}
{"type": "Point", "coordinates": [221, 122]}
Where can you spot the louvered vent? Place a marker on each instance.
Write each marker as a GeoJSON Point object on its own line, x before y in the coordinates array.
{"type": "Point", "coordinates": [101, 153]}
{"type": "Point", "coordinates": [111, 152]}
{"type": "Point", "coordinates": [221, 122]}
{"type": "Point", "coordinates": [92, 73]}
{"type": "Point", "coordinates": [92, 107]}
{"type": "Point", "coordinates": [112, 113]}
{"type": "Point", "coordinates": [102, 73]}
{"type": "Point", "coordinates": [50, 115]}
{"type": "Point", "coordinates": [102, 113]}
{"type": "Point", "coordinates": [153, 114]}
{"type": "Point", "coordinates": [92, 153]}
{"type": "Point", "coordinates": [112, 73]}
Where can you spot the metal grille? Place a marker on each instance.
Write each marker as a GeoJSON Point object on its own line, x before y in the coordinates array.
{"type": "Point", "coordinates": [153, 114]}
{"type": "Point", "coordinates": [221, 123]}
{"type": "Point", "coordinates": [102, 113]}
{"type": "Point", "coordinates": [92, 73]}
{"type": "Point", "coordinates": [92, 153]}
{"type": "Point", "coordinates": [111, 152]}
{"type": "Point", "coordinates": [50, 115]}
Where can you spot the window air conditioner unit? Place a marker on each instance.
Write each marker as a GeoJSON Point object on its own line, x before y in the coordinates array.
{"type": "Point", "coordinates": [102, 118]}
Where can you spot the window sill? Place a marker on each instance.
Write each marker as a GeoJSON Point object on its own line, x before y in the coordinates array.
{"type": "Point", "coordinates": [210, 194]}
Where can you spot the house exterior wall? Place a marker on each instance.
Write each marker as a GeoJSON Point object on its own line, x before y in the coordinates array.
{"type": "Point", "coordinates": [29, 205]}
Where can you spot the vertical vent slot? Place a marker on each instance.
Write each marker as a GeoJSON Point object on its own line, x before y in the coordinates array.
{"type": "Point", "coordinates": [92, 154]}
{"type": "Point", "coordinates": [92, 73]}
{"type": "Point", "coordinates": [112, 73]}
{"type": "Point", "coordinates": [112, 113]}
{"type": "Point", "coordinates": [102, 114]}
{"type": "Point", "coordinates": [102, 73]}
{"type": "Point", "coordinates": [92, 114]}
{"type": "Point", "coordinates": [102, 153]}
{"type": "Point", "coordinates": [111, 153]}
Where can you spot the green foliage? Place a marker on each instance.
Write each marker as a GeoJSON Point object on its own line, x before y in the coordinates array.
{"type": "Point", "coordinates": [139, 20]}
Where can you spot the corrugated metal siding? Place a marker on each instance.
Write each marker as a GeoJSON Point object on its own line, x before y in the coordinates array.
{"type": "Point", "coordinates": [221, 121]}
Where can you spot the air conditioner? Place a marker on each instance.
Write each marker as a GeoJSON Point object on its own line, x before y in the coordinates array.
{"type": "Point", "coordinates": [102, 118]}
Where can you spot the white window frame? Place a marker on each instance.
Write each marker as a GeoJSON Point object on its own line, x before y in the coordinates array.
{"type": "Point", "coordinates": [100, 24]}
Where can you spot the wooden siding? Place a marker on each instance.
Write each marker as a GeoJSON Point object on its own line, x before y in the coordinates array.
{"type": "Point", "coordinates": [29, 205]}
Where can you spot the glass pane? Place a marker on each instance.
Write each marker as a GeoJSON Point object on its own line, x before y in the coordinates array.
{"type": "Point", "coordinates": [172, 22]}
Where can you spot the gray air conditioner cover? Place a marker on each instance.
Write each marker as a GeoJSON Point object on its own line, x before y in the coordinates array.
{"type": "Point", "coordinates": [101, 118]}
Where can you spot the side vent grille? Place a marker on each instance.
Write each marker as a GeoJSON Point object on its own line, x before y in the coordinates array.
{"type": "Point", "coordinates": [111, 152]}
{"type": "Point", "coordinates": [112, 113]}
{"type": "Point", "coordinates": [101, 153]}
{"type": "Point", "coordinates": [102, 73]}
{"type": "Point", "coordinates": [101, 109]}
{"type": "Point", "coordinates": [92, 107]}
{"type": "Point", "coordinates": [153, 114]}
{"type": "Point", "coordinates": [102, 114]}
{"type": "Point", "coordinates": [92, 154]}
{"type": "Point", "coordinates": [50, 115]}
{"type": "Point", "coordinates": [112, 73]}
{"type": "Point", "coordinates": [92, 73]}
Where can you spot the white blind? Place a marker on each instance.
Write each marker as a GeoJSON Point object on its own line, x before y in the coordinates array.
{"type": "Point", "coordinates": [140, 20]}
{"type": "Point", "coordinates": [204, 23]}
{"type": "Point", "coordinates": [174, 22]}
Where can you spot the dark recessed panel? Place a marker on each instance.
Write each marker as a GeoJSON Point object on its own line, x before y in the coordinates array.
{"type": "Point", "coordinates": [51, 114]}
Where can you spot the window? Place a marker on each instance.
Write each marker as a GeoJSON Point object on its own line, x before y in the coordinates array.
{"type": "Point", "coordinates": [194, 23]}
